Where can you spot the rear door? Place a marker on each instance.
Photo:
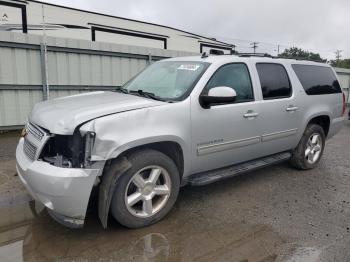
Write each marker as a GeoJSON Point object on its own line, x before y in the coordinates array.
{"type": "Point", "coordinates": [280, 112]}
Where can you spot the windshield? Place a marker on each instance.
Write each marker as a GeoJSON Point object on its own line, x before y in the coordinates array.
{"type": "Point", "coordinates": [168, 80]}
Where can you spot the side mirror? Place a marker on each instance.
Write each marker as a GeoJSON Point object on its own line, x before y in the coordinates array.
{"type": "Point", "coordinates": [218, 95]}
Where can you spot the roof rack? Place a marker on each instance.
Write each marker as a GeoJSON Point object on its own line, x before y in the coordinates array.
{"type": "Point", "coordinates": [278, 57]}
{"type": "Point", "coordinates": [301, 59]}
{"type": "Point", "coordinates": [254, 54]}
{"type": "Point", "coordinates": [205, 55]}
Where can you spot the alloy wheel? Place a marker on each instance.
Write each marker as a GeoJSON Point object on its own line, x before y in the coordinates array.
{"type": "Point", "coordinates": [313, 148]}
{"type": "Point", "coordinates": [148, 191]}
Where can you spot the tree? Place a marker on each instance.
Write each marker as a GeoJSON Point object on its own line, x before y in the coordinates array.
{"type": "Point", "coordinates": [342, 63]}
{"type": "Point", "coordinates": [298, 53]}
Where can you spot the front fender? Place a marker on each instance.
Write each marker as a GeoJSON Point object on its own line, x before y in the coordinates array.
{"type": "Point", "coordinates": [115, 152]}
{"type": "Point", "coordinates": [120, 132]}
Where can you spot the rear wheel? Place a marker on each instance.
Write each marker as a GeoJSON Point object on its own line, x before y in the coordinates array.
{"type": "Point", "coordinates": [310, 148]}
{"type": "Point", "coordinates": [147, 191]}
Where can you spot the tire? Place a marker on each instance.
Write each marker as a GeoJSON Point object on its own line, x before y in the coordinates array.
{"type": "Point", "coordinates": [303, 159]}
{"type": "Point", "coordinates": [140, 183]}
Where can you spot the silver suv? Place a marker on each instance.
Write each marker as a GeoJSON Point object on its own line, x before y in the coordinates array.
{"type": "Point", "coordinates": [182, 121]}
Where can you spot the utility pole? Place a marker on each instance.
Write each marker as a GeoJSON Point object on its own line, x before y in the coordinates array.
{"type": "Point", "coordinates": [338, 54]}
{"type": "Point", "coordinates": [254, 45]}
{"type": "Point", "coordinates": [278, 50]}
{"type": "Point", "coordinates": [44, 59]}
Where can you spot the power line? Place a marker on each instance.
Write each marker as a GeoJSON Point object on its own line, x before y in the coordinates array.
{"type": "Point", "coordinates": [277, 48]}
{"type": "Point", "coordinates": [281, 46]}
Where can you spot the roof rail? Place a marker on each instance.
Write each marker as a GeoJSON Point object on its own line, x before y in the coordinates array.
{"type": "Point", "coordinates": [278, 57]}
{"type": "Point", "coordinates": [301, 59]}
{"type": "Point", "coordinates": [205, 55]}
{"type": "Point", "coordinates": [254, 54]}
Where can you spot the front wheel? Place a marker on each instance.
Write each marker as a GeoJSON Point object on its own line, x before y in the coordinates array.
{"type": "Point", "coordinates": [147, 191]}
{"type": "Point", "coordinates": [310, 148]}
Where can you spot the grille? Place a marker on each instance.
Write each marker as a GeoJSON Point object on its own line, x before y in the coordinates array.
{"type": "Point", "coordinates": [29, 149]}
{"type": "Point", "coordinates": [36, 132]}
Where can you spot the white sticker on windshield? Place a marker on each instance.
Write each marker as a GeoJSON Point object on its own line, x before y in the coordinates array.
{"type": "Point", "coordinates": [188, 67]}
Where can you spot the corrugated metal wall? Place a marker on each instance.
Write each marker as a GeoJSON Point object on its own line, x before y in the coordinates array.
{"type": "Point", "coordinates": [344, 79]}
{"type": "Point", "coordinates": [73, 66]}
{"type": "Point", "coordinates": [15, 106]}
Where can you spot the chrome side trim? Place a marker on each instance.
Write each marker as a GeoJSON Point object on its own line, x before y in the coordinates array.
{"type": "Point", "coordinates": [277, 135]}
{"type": "Point", "coordinates": [209, 149]}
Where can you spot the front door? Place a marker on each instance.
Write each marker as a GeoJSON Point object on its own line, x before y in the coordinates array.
{"type": "Point", "coordinates": [226, 134]}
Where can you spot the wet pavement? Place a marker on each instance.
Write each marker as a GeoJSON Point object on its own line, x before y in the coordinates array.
{"type": "Point", "coordinates": [274, 214]}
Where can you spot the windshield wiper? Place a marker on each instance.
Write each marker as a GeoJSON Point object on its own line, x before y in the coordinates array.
{"type": "Point", "coordinates": [146, 94]}
{"type": "Point", "coordinates": [121, 90]}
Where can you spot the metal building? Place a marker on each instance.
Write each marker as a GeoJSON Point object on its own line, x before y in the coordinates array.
{"type": "Point", "coordinates": [344, 79]}
{"type": "Point", "coordinates": [78, 59]}
{"type": "Point", "coordinates": [73, 66]}
{"type": "Point", "coordinates": [33, 17]}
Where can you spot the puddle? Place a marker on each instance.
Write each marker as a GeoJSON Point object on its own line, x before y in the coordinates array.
{"type": "Point", "coordinates": [14, 225]}
{"type": "Point", "coordinates": [309, 254]}
{"type": "Point", "coordinates": [25, 236]}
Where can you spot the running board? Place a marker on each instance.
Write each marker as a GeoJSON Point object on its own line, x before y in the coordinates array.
{"type": "Point", "coordinates": [205, 178]}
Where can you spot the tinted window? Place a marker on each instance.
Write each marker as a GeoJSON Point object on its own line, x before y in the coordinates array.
{"type": "Point", "coordinates": [317, 80]}
{"type": "Point", "coordinates": [235, 76]}
{"type": "Point", "coordinates": [274, 81]}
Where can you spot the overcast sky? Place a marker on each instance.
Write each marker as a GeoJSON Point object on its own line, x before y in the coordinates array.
{"type": "Point", "coordinates": [321, 26]}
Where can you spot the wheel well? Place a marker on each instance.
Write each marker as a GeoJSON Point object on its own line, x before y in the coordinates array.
{"type": "Point", "coordinates": [172, 149]}
{"type": "Point", "coordinates": [322, 121]}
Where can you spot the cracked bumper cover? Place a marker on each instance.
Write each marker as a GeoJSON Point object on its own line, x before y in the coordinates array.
{"type": "Point", "coordinates": [65, 192]}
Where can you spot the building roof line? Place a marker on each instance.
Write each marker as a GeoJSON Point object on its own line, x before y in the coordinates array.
{"type": "Point", "coordinates": [216, 44]}
{"type": "Point", "coordinates": [127, 30]}
{"type": "Point", "coordinates": [128, 19]}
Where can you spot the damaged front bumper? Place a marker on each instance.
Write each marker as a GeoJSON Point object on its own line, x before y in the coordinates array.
{"type": "Point", "coordinates": [65, 192]}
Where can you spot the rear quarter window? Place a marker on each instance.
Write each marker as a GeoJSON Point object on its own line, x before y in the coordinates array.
{"type": "Point", "coordinates": [317, 80]}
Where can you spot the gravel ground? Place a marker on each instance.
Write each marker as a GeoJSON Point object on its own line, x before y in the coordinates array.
{"type": "Point", "coordinates": [274, 214]}
{"type": "Point", "coordinates": [11, 189]}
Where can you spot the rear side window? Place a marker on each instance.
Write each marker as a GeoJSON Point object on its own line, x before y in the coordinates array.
{"type": "Point", "coordinates": [317, 80]}
{"type": "Point", "coordinates": [274, 81]}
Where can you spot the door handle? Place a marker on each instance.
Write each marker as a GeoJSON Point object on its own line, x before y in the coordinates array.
{"type": "Point", "coordinates": [250, 114]}
{"type": "Point", "coordinates": [292, 108]}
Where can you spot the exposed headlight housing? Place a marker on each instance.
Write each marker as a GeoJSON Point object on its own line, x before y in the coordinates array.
{"type": "Point", "coordinates": [69, 151]}
{"type": "Point", "coordinates": [89, 143]}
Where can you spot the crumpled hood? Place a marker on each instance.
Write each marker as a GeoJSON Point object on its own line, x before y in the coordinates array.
{"type": "Point", "coordinates": [62, 115]}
